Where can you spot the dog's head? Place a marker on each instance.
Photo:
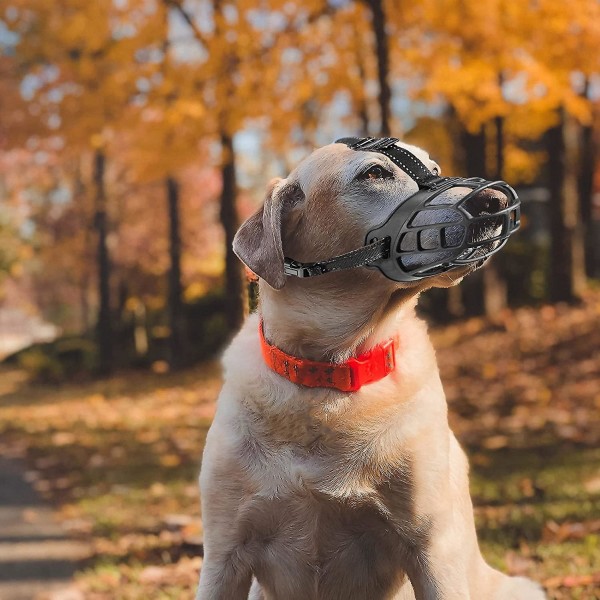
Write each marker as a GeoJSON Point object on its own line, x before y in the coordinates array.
{"type": "Point", "coordinates": [328, 204]}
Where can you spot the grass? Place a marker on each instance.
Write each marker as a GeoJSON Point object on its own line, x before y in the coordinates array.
{"type": "Point", "coordinates": [120, 457]}
{"type": "Point", "coordinates": [537, 514]}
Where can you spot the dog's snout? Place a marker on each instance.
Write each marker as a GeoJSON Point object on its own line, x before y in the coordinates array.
{"type": "Point", "coordinates": [486, 202]}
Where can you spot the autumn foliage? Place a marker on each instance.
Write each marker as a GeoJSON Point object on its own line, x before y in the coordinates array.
{"type": "Point", "coordinates": [120, 456]}
{"type": "Point", "coordinates": [104, 103]}
{"type": "Point", "coordinates": [135, 135]}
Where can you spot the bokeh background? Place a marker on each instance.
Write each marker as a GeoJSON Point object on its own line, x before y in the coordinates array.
{"type": "Point", "coordinates": [135, 135]}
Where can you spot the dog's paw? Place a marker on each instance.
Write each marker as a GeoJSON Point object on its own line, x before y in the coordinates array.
{"type": "Point", "coordinates": [521, 588]}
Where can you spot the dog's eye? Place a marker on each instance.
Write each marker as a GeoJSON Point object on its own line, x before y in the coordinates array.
{"type": "Point", "coordinates": [374, 172]}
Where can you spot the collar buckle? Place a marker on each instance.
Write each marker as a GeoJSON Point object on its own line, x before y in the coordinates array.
{"type": "Point", "coordinates": [373, 365]}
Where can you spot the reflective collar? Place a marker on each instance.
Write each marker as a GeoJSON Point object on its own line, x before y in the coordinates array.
{"type": "Point", "coordinates": [348, 376]}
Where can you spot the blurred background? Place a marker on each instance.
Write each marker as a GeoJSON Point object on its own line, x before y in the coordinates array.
{"type": "Point", "coordinates": [136, 135]}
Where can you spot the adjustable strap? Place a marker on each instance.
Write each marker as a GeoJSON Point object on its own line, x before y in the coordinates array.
{"type": "Point", "coordinates": [357, 258]}
{"type": "Point", "coordinates": [349, 376]}
{"type": "Point", "coordinates": [401, 157]}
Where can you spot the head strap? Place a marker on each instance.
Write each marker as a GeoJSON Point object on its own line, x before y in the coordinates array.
{"type": "Point", "coordinates": [401, 157]}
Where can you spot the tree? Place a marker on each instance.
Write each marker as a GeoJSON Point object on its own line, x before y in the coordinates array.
{"type": "Point", "coordinates": [383, 61]}
{"type": "Point", "coordinates": [87, 60]}
{"type": "Point", "coordinates": [497, 64]}
{"type": "Point", "coordinates": [567, 263]}
{"type": "Point", "coordinates": [175, 301]}
{"type": "Point", "coordinates": [236, 67]}
{"type": "Point", "coordinates": [587, 164]}
{"type": "Point", "coordinates": [104, 324]}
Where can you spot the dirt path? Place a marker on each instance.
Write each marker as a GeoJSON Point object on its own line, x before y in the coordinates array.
{"type": "Point", "coordinates": [36, 557]}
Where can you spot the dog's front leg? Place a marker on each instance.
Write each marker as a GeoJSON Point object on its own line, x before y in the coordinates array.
{"type": "Point", "coordinates": [224, 577]}
{"type": "Point", "coordinates": [453, 563]}
{"type": "Point", "coordinates": [226, 572]}
{"type": "Point", "coordinates": [435, 580]}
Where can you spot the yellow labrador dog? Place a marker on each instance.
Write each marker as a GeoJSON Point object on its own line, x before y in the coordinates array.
{"type": "Point", "coordinates": [314, 493]}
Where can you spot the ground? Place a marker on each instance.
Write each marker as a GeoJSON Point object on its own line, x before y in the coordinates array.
{"type": "Point", "coordinates": [119, 458]}
{"type": "Point", "coordinates": [36, 555]}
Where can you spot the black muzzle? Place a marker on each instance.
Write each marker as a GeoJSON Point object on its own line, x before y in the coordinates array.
{"type": "Point", "coordinates": [449, 222]}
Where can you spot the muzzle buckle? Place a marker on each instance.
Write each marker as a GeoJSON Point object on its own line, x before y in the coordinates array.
{"type": "Point", "coordinates": [298, 269]}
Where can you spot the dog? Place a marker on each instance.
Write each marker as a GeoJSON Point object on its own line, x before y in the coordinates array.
{"type": "Point", "coordinates": [313, 493]}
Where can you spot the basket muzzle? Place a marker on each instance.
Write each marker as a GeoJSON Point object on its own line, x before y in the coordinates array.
{"type": "Point", "coordinates": [449, 222]}
{"type": "Point", "coordinates": [455, 223]}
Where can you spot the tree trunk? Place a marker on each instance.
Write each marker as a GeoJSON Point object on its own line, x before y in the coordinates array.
{"type": "Point", "coordinates": [495, 293]}
{"type": "Point", "coordinates": [80, 197]}
{"type": "Point", "coordinates": [472, 289]}
{"type": "Point", "coordinates": [234, 280]}
{"type": "Point", "coordinates": [474, 145]}
{"type": "Point", "coordinates": [84, 306]}
{"type": "Point", "coordinates": [383, 62]}
{"type": "Point", "coordinates": [362, 107]}
{"type": "Point", "coordinates": [586, 192]}
{"type": "Point", "coordinates": [499, 127]}
{"type": "Point", "coordinates": [104, 325]}
{"type": "Point", "coordinates": [567, 269]}
{"type": "Point", "coordinates": [175, 303]}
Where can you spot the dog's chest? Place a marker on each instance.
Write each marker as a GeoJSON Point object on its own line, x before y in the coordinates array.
{"type": "Point", "coordinates": [310, 546]}
{"type": "Point", "coordinates": [331, 525]}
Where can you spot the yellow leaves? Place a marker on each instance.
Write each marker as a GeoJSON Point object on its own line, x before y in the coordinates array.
{"type": "Point", "coordinates": [536, 48]}
{"type": "Point", "coordinates": [489, 370]}
{"type": "Point", "coordinates": [182, 110]}
{"type": "Point", "coordinates": [495, 442]}
{"type": "Point", "coordinates": [457, 48]}
{"type": "Point", "coordinates": [470, 86]}
{"type": "Point", "coordinates": [579, 107]}
{"type": "Point", "coordinates": [513, 379]}
{"type": "Point", "coordinates": [173, 580]}
{"type": "Point", "coordinates": [192, 108]}
{"type": "Point", "coordinates": [76, 28]}
{"type": "Point", "coordinates": [96, 141]}
{"type": "Point", "coordinates": [521, 166]}
{"type": "Point", "coordinates": [16, 270]}
{"type": "Point", "coordinates": [170, 460]}
{"type": "Point", "coordinates": [25, 253]}
{"type": "Point", "coordinates": [561, 532]}
{"type": "Point", "coordinates": [63, 438]}
{"type": "Point", "coordinates": [573, 581]}
{"type": "Point", "coordinates": [195, 290]}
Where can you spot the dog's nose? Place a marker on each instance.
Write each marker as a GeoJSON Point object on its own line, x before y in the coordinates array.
{"type": "Point", "coordinates": [486, 202]}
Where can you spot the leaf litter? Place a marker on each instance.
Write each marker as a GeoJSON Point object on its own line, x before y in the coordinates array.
{"type": "Point", "coordinates": [120, 457]}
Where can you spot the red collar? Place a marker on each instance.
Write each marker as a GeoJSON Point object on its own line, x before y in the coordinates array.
{"type": "Point", "coordinates": [349, 376]}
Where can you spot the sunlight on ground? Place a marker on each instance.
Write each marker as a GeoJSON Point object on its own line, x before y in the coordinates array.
{"type": "Point", "coordinates": [120, 457]}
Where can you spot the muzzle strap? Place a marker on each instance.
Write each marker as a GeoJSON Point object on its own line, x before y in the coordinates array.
{"type": "Point", "coordinates": [357, 258]}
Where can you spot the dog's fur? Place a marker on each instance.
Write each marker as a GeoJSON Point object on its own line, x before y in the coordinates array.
{"type": "Point", "coordinates": [311, 493]}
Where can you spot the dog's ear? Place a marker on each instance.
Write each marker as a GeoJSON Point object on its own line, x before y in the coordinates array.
{"type": "Point", "coordinates": [258, 242]}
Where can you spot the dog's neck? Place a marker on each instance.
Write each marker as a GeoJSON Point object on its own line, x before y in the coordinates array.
{"type": "Point", "coordinates": [324, 321]}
